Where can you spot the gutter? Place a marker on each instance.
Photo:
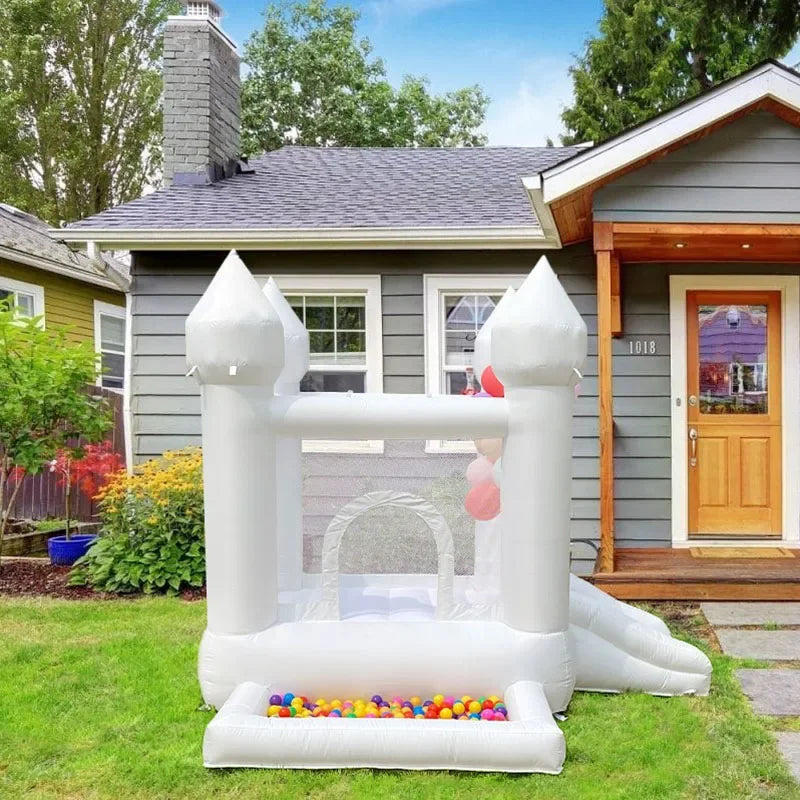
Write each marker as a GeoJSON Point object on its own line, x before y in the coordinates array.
{"type": "Point", "coordinates": [419, 238]}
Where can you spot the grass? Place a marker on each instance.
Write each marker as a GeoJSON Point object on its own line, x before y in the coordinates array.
{"type": "Point", "coordinates": [100, 700]}
{"type": "Point", "coordinates": [47, 525]}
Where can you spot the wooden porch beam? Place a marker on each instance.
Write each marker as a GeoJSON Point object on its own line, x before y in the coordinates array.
{"type": "Point", "coordinates": [606, 408]}
{"type": "Point", "coordinates": [616, 296]}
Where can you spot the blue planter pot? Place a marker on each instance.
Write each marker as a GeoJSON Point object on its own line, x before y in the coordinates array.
{"type": "Point", "coordinates": [65, 552]}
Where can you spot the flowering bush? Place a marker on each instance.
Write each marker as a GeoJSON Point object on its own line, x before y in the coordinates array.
{"type": "Point", "coordinates": [152, 535]}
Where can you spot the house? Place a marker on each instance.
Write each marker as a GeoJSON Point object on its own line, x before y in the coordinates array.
{"type": "Point", "coordinates": [42, 276]}
{"type": "Point", "coordinates": [678, 241]}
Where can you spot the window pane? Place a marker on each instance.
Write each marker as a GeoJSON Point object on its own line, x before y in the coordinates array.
{"type": "Point", "coordinates": [459, 312]}
{"type": "Point", "coordinates": [25, 304]}
{"type": "Point", "coordinates": [7, 298]}
{"type": "Point", "coordinates": [351, 343]}
{"type": "Point", "coordinates": [321, 342]}
{"type": "Point", "coordinates": [732, 342]}
{"type": "Point", "coordinates": [461, 382]}
{"type": "Point", "coordinates": [319, 313]}
{"type": "Point", "coordinates": [351, 313]}
{"type": "Point", "coordinates": [113, 366]}
{"type": "Point", "coordinates": [112, 333]}
{"type": "Point", "coordinates": [333, 382]}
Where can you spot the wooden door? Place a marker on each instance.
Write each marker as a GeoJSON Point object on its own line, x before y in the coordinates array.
{"type": "Point", "coordinates": [734, 413]}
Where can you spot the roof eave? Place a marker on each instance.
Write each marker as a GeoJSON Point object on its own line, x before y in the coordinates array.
{"type": "Point", "coordinates": [46, 265]}
{"type": "Point", "coordinates": [419, 238]}
{"type": "Point", "coordinates": [767, 81]}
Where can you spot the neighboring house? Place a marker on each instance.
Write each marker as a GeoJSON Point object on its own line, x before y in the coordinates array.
{"type": "Point", "coordinates": [678, 240]}
{"type": "Point", "coordinates": [42, 276]}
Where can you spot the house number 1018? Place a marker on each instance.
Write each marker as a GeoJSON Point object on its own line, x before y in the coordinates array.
{"type": "Point", "coordinates": [642, 347]}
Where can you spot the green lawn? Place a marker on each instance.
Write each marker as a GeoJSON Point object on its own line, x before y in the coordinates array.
{"type": "Point", "coordinates": [100, 700]}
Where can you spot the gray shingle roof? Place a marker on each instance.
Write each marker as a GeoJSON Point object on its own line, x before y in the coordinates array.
{"type": "Point", "coordinates": [27, 235]}
{"type": "Point", "coordinates": [307, 187]}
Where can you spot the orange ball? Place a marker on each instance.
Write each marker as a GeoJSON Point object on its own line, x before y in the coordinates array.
{"type": "Point", "coordinates": [491, 383]}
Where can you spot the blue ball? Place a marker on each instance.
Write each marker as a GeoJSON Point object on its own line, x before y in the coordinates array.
{"type": "Point", "coordinates": [474, 716]}
{"type": "Point", "coordinates": [287, 699]}
{"type": "Point", "coordinates": [419, 710]}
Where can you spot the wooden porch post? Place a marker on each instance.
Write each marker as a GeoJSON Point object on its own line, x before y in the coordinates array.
{"type": "Point", "coordinates": [609, 323]}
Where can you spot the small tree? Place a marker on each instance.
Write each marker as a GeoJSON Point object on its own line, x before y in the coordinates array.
{"type": "Point", "coordinates": [45, 405]}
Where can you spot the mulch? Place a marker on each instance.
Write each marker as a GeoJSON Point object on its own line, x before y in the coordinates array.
{"type": "Point", "coordinates": [36, 577]}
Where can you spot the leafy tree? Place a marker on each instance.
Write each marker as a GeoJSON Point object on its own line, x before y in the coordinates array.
{"type": "Point", "coordinates": [80, 85]}
{"type": "Point", "coordinates": [652, 54]}
{"type": "Point", "coordinates": [44, 402]}
{"type": "Point", "coordinates": [312, 81]}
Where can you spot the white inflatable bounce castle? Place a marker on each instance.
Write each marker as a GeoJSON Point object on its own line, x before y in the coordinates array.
{"type": "Point", "coordinates": [532, 634]}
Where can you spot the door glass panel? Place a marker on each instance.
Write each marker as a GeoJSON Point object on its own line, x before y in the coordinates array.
{"type": "Point", "coordinates": [732, 342]}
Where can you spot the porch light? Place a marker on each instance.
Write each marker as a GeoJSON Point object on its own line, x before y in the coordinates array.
{"type": "Point", "coordinates": [680, 244]}
{"type": "Point", "coordinates": [745, 246]}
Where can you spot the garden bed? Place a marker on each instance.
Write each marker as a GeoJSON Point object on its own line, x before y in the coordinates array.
{"type": "Point", "coordinates": [37, 576]}
{"type": "Point", "coordinates": [34, 542]}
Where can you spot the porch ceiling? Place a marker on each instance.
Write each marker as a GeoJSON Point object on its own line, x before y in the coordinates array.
{"type": "Point", "coordinates": [643, 242]}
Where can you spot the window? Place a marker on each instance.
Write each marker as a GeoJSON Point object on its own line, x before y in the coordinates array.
{"type": "Point", "coordinates": [456, 307]}
{"type": "Point", "coordinates": [109, 342]}
{"type": "Point", "coordinates": [26, 298]}
{"type": "Point", "coordinates": [343, 317]}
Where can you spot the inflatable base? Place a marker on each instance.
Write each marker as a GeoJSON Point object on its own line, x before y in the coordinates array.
{"type": "Point", "coordinates": [242, 736]}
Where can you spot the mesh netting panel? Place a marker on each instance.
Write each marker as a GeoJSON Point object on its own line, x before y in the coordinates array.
{"type": "Point", "coordinates": [387, 540]}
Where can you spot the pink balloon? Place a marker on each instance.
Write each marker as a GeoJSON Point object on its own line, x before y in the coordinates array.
{"type": "Point", "coordinates": [491, 448]}
{"type": "Point", "coordinates": [491, 383]}
{"type": "Point", "coordinates": [483, 502]}
{"type": "Point", "coordinates": [480, 471]}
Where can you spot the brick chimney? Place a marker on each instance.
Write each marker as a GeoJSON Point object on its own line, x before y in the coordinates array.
{"type": "Point", "coordinates": [202, 104]}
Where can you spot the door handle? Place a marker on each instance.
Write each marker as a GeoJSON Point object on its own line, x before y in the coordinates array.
{"type": "Point", "coordinates": [693, 440]}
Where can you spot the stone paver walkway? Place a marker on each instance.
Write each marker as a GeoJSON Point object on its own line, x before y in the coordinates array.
{"type": "Point", "coordinates": [772, 692]}
{"type": "Point", "coordinates": [760, 644]}
{"type": "Point", "coordinates": [737, 614]}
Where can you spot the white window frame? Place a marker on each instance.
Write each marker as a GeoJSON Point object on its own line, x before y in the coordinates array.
{"type": "Point", "coordinates": [434, 289]}
{"type": "Point", "coordinates": [36, 291]}
{"type": "Point", "coordinates": [370, 286]}
{"type": "Point", "coordinates": [102, 309]}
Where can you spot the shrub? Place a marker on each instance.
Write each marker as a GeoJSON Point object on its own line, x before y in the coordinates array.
{"type": "Point", "coordinates": [152, 534]}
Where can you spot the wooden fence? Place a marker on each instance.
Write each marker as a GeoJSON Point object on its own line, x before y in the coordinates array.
{"type": "Point", "coordinates": [41, 497]}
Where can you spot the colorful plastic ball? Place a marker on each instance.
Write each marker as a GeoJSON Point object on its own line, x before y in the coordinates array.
{"type": "Point", "coordinates": [487, 713]}
{"type": "Point", "coordinates": [458, 707]}
{"type": "Point", "coordinates": [491, 383]}
{"type": "Point", "coordinates": [419, 716]}
{"type": "Point", "coordinates": [498, 717]}
{"type": "Point", "coordinates": [474, 707]}
{"type": "Point", "coordinates": [481, 393]}
{"type": "Point", "coordinates": [491, 448]}
{"type": "Point", "coordinates": [487, 703]}
{"type": "Point", "coordinates": [377, 699]}
{"type": "Point", "coordinates": [276, 700]}
{"type": "Point", "coordinates": [287, 699]}
{"type": "Point", "coordinates": [419, 710]}
{"type": "Point", "coordinates": [446, 713]}
{"type": "Point", "coordinates": [463, 716]}
{"type": "Point", "coordinates": [336, 703]}
{"type": "Point", "coordinates": [494, 698]}
{"type": "Point", "coordinates": [475, 716]}
{"type": "Point", "coordinates": [335, 712]}
{"type": "Point", "coordinates": [297, 702]}
{"type": "Point", "coordinates": [415, 701]}
{"type": "Point", "coordinates": [449, 701]}
{"type": "Point", "coordinates": [273, 710]}
{"type": "Point", "coordinates": [321, 701]}
{"type": "Point", "coordinates": [438, 699]}
{"type": "Point", "coordinates": [483, 502]}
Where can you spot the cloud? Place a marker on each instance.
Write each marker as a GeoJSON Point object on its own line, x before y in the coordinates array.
{"type": "Point", "coordinates": [532, 112]}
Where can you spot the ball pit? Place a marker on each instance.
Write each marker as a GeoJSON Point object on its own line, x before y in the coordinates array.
{"type": "Point", "coordinates": [487, 709]}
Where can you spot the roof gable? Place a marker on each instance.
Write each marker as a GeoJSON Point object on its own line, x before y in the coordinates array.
{"type": "Point", "coordinates": [766, 81]}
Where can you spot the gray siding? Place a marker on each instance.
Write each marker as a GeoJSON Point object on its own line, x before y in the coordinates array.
{"type": "Point", "coordinates": [165, 404]}
{"type": "Point", "coordinates": [748, 171]}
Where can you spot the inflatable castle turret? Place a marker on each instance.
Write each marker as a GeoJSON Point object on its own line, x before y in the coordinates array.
{"type": "Point", "coordinates": [533, 638]}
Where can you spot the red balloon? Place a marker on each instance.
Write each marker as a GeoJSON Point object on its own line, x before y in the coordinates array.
{"type": "Point", "coordinates": [483, 501]}
{"type": "Point", "coordinates": [491, 383]}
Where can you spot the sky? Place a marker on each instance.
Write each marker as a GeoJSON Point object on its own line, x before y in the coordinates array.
{"type": "Point", "coordinates": [519, 51]}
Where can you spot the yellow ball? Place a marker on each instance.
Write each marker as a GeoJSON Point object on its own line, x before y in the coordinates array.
{"type": "Point", "coordinates": [336, 703]}
{"type": "Point", "coordinates": [438, 699]}
{"type": "Point", "coordinates": [494, 698]}
{"type": "Point", "coordinates": [272, 711]}
{"type": "Point", "coordinates": [360, 712]}
{"type": "Point", "coordinates": [321, 701]}
{"type": "Point", "coordinates": [466, 699]}
{"type": "Point", "coordinates": [475, 707]}
{"type": "Point", "coordinates": [458, 708]}
{"type": "Point", "coordinates": [446, 713]}
{"type": "Point", "coordinates": [297, 702]}
{"type": "Point", "coordinates": [416, 701]}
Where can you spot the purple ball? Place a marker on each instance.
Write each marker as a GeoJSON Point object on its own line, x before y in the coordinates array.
{"type": "Point", "coordinates": [276, 700]}
{"type": "Point", "coordinates": [407, 704]}
{"type": "Point", "coordinates": [377, 699]}
{"type": "Point", "coordinates": [482, 393]}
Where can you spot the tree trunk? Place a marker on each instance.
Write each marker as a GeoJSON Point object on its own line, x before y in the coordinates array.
{"type": "Point", "coordinates": [700, 71]}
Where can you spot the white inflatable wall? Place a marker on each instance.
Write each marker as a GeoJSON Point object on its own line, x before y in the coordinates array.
{"type": "Point", "coordinates": [523, 627]}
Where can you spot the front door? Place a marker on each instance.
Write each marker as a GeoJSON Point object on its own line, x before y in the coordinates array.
{"type": "Point", "coordinates": [734, 413]}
